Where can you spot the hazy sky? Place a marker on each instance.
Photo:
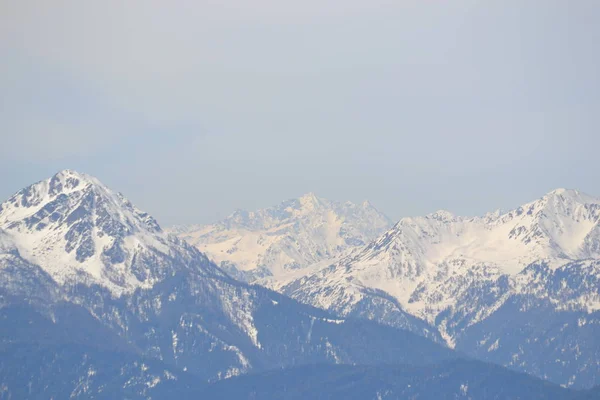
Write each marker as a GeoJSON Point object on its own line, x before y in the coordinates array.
{"type": "Point", "coordinates": [195, 108]}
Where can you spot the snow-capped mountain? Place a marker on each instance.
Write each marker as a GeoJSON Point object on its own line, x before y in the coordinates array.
{"type": "Point", "coordinates": [419, 257]}
{"type": "Point", "coordinates": [86, 275]}
{"type": "Point", "coordinates": [291, 236]}
{"type": "Point", "coordinates": [457, 272]}
{"type": "Point", "coordinates": [77, 230]}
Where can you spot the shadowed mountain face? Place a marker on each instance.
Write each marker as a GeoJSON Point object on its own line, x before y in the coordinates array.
{"type": "Point", "coordinates": [461, 379]}
{"type": "Point", "coordinates": [76, 371]}
{"type": "Point", "coordinates": [73, 355]}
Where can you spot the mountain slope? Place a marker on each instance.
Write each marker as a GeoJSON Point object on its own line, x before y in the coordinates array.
{"type": "Point", "coordinates": [456, 273]}
{"type": "Point", "coordinates": [293, 235]}
{"type": "Point", "coordinates": [94, 273]}
{"type": "Point", "coordinates": [415, 259]}
{"type": "Point", "coordinates": [450, 380]}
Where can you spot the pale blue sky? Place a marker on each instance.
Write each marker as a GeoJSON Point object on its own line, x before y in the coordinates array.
{"type": "Point", "coordinates": [195, 108]}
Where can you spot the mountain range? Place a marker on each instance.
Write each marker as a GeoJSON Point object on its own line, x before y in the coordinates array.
{"type": "Point", "coordinates": [98, 301]}
{"type": "Point", "coordinates": [93, 294]}
{"type": "Point", "coordinates": [518, 288]}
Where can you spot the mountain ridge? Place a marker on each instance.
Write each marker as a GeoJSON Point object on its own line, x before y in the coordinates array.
{"type": "Point", "coordinates": [456, 272]}
{"type": "Point", "coordinates": [69, 241]}
{"type": "Point", "coordinates": [153, 296]}
{"type": "Point", "coordinates": [78, 229]}
{"type": "Point", "coordinates": [290, 236]}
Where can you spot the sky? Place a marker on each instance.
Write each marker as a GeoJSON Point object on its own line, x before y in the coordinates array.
{"type": "Point", "coordinates": [195, 108]}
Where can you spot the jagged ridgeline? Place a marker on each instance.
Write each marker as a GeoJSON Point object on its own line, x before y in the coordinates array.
{"type": "Point", "coordinates": [97, 301]}
{"type": "Point", "coordinates": [519, 288]}
{"type": "Point", "coordinates": [95, 296]}
{"type": "Point", "coordinates": [287, 238]}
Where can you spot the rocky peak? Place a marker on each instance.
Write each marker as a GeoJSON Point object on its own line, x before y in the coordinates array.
{"type": "Point", "coordinates": [289, 236]}
{"type": "Point", "coordinates": [76, 228]}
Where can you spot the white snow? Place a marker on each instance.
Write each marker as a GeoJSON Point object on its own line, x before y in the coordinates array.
{"type": "Point", "coordinates": [288, 237]}
{"type": "Point", "coordinates": [155, 380]}
{"type": "Point", "coordinates": [494, 346]}
{"type": "Point", "coordinates": [45, 244]}
{"type": "Point", "coordinates": [428, 263]}
{"type": "Point", "coordinates": [174, 342]}
{"type": "Point", "coordinates": [239, 307]}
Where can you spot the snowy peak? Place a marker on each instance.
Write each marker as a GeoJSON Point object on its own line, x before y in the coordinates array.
{"type": "Point", "coordinates": [561, 224]}
{"type": "Point", "coordinates": [426, 263]}
{"type": "Point", "coordinates": [572, 194]}
{"type": "Point", "coordinates": [309, 200]}
{"type": "Point", "coordinates": [289, 236]}
{"type": "Point", "coordinates": [557, 203]}
{"type": "Point", "coordinates": [79, 230]}
{"type": "Point", "coordinates": [442, 216]}
{"type": "Point", "coordinates": [69, 197]}
{"type": "Point", "coordinates": [306, 205]}
{"type": "Point", "coordinates": [564, 221]}
{"type": "Point", "coordinates": [78, 209]}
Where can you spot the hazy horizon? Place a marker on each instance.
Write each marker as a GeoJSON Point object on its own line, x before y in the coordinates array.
{"type": "Point", "coordinates": [195, 109]}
